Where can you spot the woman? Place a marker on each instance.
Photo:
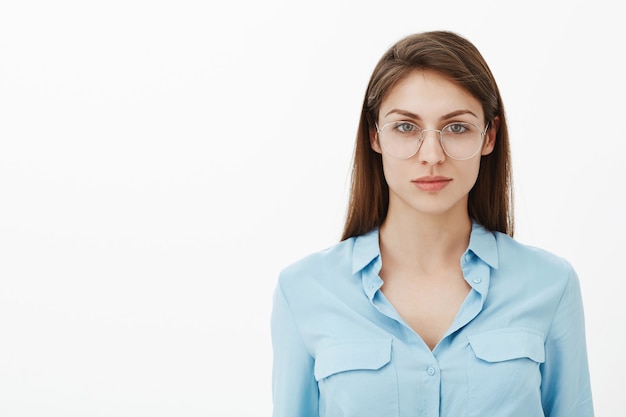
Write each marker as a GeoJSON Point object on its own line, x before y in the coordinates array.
{"type": "Point", "coordinates": [428, 307]}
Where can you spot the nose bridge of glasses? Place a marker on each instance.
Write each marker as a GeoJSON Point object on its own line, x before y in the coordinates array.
{"type": "Point", "coordinates": [424, 131]}
{"type": "Point", "coordinates": [433, 150]}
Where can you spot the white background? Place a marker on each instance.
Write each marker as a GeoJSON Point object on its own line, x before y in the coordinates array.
{"type": "Point", "coordinates": [161, 161]}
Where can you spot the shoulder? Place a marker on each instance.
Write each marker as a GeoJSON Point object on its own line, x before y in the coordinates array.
{"type": "Point", "coordinates": [531, 260]}
{"type": "Point", "coordinates": [511, 249]}
{"type": "Point", "coordinates": [319, 266]}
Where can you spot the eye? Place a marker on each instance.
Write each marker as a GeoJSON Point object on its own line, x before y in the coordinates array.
{"type": "Point", "coordinates": [406, 127]}
{"type": "Point", "coordinates": [457, 128]}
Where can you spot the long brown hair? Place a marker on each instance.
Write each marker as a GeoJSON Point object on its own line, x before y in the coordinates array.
{"type": "Point", "coordinates": [491, 199]}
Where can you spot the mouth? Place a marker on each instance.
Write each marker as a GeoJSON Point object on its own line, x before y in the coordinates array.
{"type": "Point", "coordinates": [431, 183]}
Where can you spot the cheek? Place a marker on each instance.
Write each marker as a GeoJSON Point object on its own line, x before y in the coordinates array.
{"type": "Point", "coordinates": [471, 172]}
{"type": "Point", "coordinates": [465, 173]}
{"type": "Point", "coordinates": [395, 170]}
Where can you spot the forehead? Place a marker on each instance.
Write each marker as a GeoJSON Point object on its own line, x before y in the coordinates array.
{"type": "Point", "coordinates": [429, 94]}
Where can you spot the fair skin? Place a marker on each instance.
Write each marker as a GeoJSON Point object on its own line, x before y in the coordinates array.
{"type": "Point", "coordinates": [427, 227]}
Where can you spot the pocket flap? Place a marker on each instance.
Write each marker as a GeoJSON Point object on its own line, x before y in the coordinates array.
{"type": "Point", "coordinates": [506, 344]}
{"type": "Point", "coordinates": [368, 354]}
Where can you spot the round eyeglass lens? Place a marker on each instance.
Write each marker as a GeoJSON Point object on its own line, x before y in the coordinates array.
{"type": "Point", "coordinates": [400, 139]}
{"type": "Point", "coordinates": [461, 140]}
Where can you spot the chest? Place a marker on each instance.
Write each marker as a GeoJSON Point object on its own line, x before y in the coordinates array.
{"type": "Point", "coordinates": [428, 307]}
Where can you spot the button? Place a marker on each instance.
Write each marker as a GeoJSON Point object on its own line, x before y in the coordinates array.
{"type": "Point", "coordinates": [468, 257]}
{"type": "Point", "coordinates": [431, 371]}
{"type": "Point", "coordinates": [476, 280]}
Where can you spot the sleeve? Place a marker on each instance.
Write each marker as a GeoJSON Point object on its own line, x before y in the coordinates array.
{"type": "Point", "coordinates": [565, 386]}
{"type": "Point", "coordinates": [294, 388]}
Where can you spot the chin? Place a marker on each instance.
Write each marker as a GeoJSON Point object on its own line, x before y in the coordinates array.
{"type": "Point", "coordinates": [432, 207]}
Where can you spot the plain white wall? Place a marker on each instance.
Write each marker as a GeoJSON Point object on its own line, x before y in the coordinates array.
{"type": "Point", "coordinates": [161, 161]}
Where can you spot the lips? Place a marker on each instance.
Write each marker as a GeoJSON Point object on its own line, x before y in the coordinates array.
{"type": "Point", "coordinates": [432, 183]}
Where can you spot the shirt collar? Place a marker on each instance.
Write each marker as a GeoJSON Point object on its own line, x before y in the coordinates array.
{"type": "Point", "coordinates": [482, 244]}
{"type": "Point", "coordinates": [366, 249]}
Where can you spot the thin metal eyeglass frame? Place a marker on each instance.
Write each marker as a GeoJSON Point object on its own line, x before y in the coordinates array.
{"type": "Point", "coordinates": [420, 139]}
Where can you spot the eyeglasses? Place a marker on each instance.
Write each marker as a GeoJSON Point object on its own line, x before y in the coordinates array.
{"type": "Point", "coordinates": [459, 140]}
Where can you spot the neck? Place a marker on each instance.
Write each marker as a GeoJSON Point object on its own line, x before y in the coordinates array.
{"type": "Point", "coordinates": [424, 242]}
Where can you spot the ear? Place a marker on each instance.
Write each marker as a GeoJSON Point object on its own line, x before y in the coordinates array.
{"type": "Point", "coordinates": [491, 133]}
{"type": "Point", "coordinates": [374, 142]}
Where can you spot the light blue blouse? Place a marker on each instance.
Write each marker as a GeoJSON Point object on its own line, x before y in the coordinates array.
{"type": "Point", "coordinates": [515, 349]}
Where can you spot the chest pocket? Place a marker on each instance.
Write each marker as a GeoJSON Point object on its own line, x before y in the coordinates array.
{"type": "Point", "coordinates": [504, 368]}
{"type": "Point", "coordinates": [357, 378]}
{"type": "Point", "coordinates": [506, 344]}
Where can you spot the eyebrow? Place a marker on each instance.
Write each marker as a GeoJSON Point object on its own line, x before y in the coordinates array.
{"type": "Point", "coordinates": [444, 117]}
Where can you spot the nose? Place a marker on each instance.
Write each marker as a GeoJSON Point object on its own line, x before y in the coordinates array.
{"type": "Point", "coordinates": [430, 151]}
